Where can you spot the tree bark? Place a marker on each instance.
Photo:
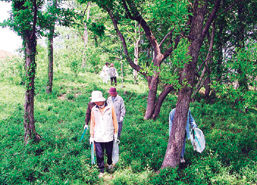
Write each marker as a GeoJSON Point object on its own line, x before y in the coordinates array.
{"type": "Point", "coordinates": [30, 67]}
{"type": "Point", "coordinates": [151, 97]}
{"type": "Point", "coordinates": [167, 89]}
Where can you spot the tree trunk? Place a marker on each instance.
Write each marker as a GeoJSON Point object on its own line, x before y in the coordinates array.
{"type": "Point", "coordinates": [177, 135]}
{"type": "Point", "coordinates": [167, 89]}
{"type": "Point", "coordinates": [136, 52]}
{"type": "Point", "coordinates": [151, 97]}
{"type": "Point", "coordinates": [30, 67]}
{"type": "Point", "coordinates": [51, 50]}
{"type": "Point", "coordinates": [50, 60]}
{"type": "Point", "coordinates": [85, 37]}
{"type": "Point", "coordinates": [196, 35]}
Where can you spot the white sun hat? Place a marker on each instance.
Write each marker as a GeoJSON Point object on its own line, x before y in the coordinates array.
{"type": "Point", "coordinates": [97, 96]}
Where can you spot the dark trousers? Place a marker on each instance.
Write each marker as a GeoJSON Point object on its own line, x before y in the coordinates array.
{"type": "Point", "coordinates": [99, 150]}
{"type": "Point", "coordinates": [119, 128]}
{"type": "Point", "coordinates": [114, 79]}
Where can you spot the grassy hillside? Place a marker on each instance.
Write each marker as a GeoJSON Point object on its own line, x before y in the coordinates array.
{"type": "Point", "coordinates": [230, 156]}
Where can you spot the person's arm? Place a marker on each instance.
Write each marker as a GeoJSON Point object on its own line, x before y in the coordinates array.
{"type": "Point", "coordinates": [192, 121]}
{"type": "Point", "coordinates": [115, 123]}
{"type": "Point", "coordinates": [92, 124]}
{"type": "Point", "coordinates": [122, 110]}
{"type": "Point", "coordinates": [88, 114]}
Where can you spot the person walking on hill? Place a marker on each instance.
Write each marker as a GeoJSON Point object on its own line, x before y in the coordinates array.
{"type": "Point", "coordinates": [113, 74]}
{"type": "Point", "coordinates": [103, 130]}
{"type": "Point", "coordinates": [191, 121]}
{"type": "Point", "coordinates": [105, 73]}
{"type": "Point", "coordinates": [117, 102]}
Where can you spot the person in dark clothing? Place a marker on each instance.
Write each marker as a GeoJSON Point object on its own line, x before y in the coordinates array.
{"type": "Point", "coordinates": [88, 114]}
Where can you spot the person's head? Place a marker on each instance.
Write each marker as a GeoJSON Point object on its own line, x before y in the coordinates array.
{"type": "Point", "coordinates": [111, 65]}
{"type": "Point", "coordinates": [107, 63]}
{"type": "Point", "coordinates": [99, 103]}
{"type": "Point", "coordinates": [112, 91]}
{"type": "Point", "coordinates": [97, 98]}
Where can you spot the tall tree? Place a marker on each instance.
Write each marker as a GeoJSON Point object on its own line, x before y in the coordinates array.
{"type": "Point", "coordinates": [23, 20]}
{"type": "Point", "coordinates": [202, 17]}
{"type": "Point", "coordinates": [48, 21]}
{"type": "Point", "coordinates": [52, 16]}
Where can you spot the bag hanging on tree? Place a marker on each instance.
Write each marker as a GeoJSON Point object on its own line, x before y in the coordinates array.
{"type": "Point", "coordinates": [198, 140]}
{"type": "Point", "coordinates": [115, 151]}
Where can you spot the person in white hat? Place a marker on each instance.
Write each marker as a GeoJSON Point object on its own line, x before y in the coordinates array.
{"type": "Point", "coordinates": [103, 130]}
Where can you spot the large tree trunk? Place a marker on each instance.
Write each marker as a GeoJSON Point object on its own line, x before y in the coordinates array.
{"type": "Point", "coordinates": [151, 97]}
{"type": "Point", "coordinates": [196, 36]}
{"type": "Point", "coordinates": [30, 67]}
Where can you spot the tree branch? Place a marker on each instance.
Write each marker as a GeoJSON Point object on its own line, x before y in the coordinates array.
{"type": "Point", "coordinates": [229, 7]}
{"type": "Point", "coordinates": [166, 36]}
{"type": "Point", "coordinates": [201, 81]}
{"type": "Point", "coordinates": [131, 63]}
{"type": "Point", "coordinates": [146, 28]}
{"type": "Point", "coordinates": [211, 18]}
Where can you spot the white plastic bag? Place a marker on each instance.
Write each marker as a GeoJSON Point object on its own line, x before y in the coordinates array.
{"type": "Point", "coordinates": [115, 151]}
{"type": "Point", "coordinates": [198, 140]}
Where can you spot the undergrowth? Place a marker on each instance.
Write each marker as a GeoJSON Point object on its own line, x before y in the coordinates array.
{"type": "Point", "coordinates": [59, 158]}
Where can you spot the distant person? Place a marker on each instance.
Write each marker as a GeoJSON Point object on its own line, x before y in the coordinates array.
{"type": "Point", "coordinates": [113, 74]}
{"type": "Point", "coordinates": [118, 104]}
{"type": "Point", "coordinates": [105, 73]}
{"type": "Point", "coordinates": [88, 114]}
{"type": "Point", "coordinates": [191, 121]}
{"type": "Point", "coordinates": [103, 130]}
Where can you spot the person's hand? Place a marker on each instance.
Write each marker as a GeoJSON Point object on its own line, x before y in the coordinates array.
{"type": "Point", "coordinates": [91, 140]}
{"type": "Point", "coordinates": [115, 137]}
{"type": "Point", "coordinates": [85, 127]}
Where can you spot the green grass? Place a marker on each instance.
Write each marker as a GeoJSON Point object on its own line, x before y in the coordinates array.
{"type": "Point", "coordinates": [229, 158]}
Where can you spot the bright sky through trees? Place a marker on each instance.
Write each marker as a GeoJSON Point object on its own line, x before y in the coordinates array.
{"type": "Point", "coordinates": [9, 40]}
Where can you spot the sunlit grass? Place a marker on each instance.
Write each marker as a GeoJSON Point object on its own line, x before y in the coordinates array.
{"type": "Point", "coordinates": [11, 98]}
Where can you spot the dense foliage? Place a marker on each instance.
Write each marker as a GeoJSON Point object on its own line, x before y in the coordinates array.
{"type": "Point", "coordinates": [230, 156]}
